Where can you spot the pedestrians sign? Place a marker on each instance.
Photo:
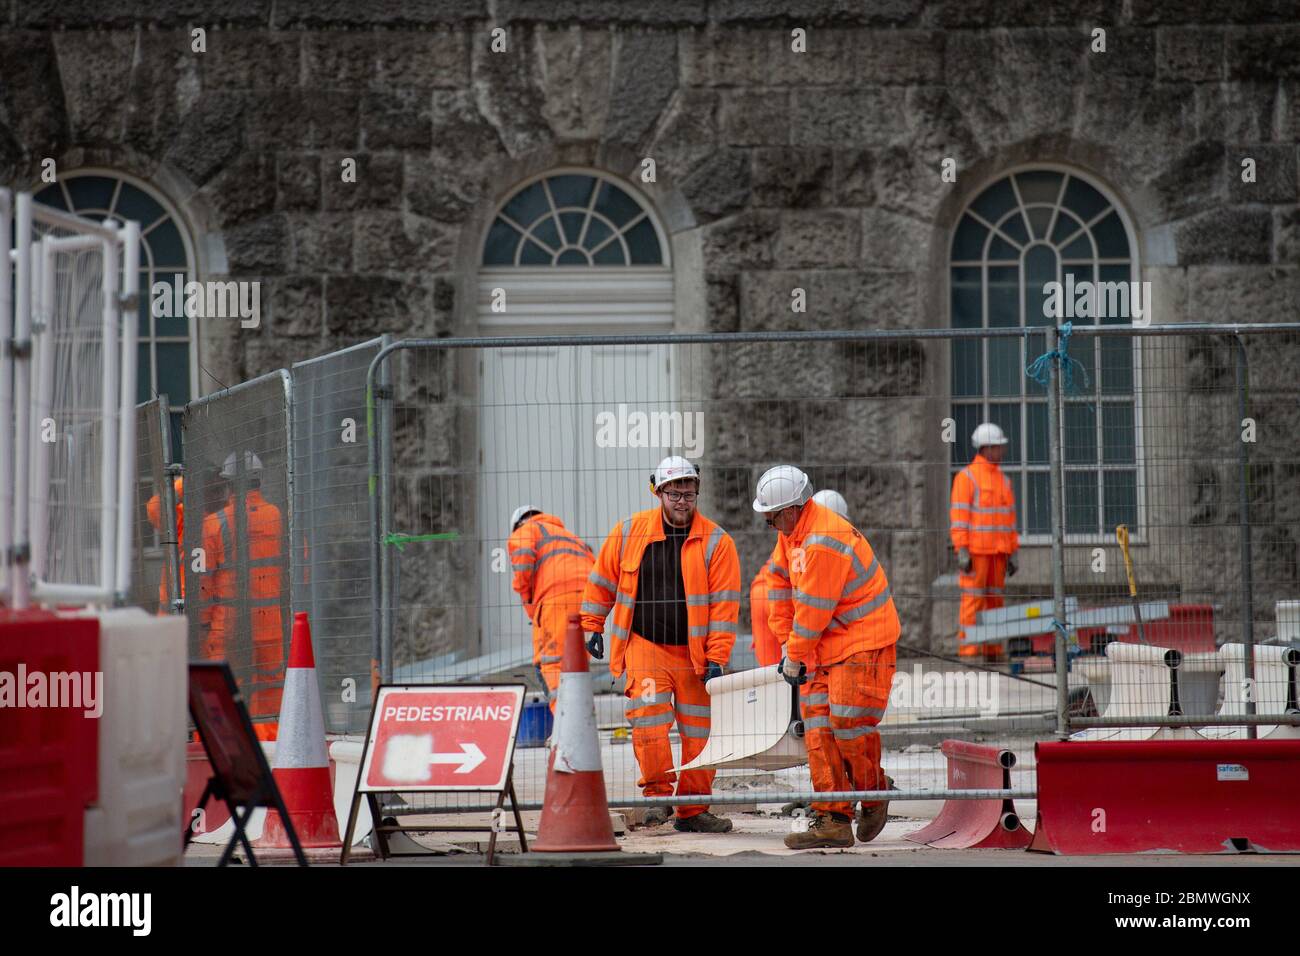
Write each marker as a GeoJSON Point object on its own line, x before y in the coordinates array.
{"type": "Point", "coordinates": [442, 738]}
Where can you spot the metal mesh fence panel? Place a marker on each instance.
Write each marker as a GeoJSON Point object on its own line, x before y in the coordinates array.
{"type": "Point", "coordinates": [238, 529]}
{"type": "Point", "coordinates": [154, 530]}
{"type": "Point", "coordinates": [331, 570]}
{"type": "Point", "coordinates": [1178, 436]}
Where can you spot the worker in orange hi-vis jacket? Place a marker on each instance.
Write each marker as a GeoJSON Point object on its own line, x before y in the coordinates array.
{"type": "Point", "coordinates": [767, 649]}
{"type": "Point", "coordinates": [153, 508]}
{"type": "Point", "coordinates": [839, 628]}
{"type": "Point", "coordinates": [550, 568]}
{"type": "Point", "coordinates": [224, 597]}
{"type": "Point", "coordinates": [982, 522]}
{"type": "Point", "coordinates": [671, 577]}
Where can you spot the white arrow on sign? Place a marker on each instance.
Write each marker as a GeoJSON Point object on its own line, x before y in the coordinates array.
{"type": "Point", "coordinates": [469, 758]}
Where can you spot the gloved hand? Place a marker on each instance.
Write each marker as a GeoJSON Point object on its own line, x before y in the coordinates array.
{"type": "Point", "coordinates": [795, 672]}
{"type": "Point", "coordinates": [540, 679]}
{"type": "Point", "coordinates": [596, 645]}
{"type": "Point", "coordinates": [712, 671]}
{"type": "Point", "coordinates": [964, 562]}
{"type": "Point", "coordinates": [1012, 566]}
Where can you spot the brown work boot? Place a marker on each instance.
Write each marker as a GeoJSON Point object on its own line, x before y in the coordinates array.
{"type": "Point", "coordinates": [704, 822]}
{"type": "Point", "coordinates": [823, 831]}
{"type": "Point", "coordinates": [871, 820]}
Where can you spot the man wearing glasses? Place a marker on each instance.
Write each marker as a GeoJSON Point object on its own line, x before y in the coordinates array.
{"type": "Point", "coordinates": [837, 622]}
{"type": "Point", "coordinates": [672, 578]}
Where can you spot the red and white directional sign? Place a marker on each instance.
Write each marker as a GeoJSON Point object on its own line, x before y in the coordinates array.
{"type": "Point", "coordinates": [442, 738]}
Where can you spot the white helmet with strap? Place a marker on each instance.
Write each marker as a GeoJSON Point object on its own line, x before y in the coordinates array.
{"type": "Point", "coordinates": [230, 467]}
{"type": "Point", "coordinates": [987, 434]}
{"type": "Point", "coordinates": [520, 513]}
{"type": "Point", "coordinates": [673, 468]}
{"type": "Point", "coordinates": [782, 487]}
{"type": "Point", "coordinates": [833, 500]}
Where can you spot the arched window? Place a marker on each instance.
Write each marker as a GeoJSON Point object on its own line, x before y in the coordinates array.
{"type": "Point", "coordinates": [167, 360]}
{"type": "Point", "coordinates": [1028, 229]}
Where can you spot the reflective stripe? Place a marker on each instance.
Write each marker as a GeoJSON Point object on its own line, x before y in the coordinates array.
{"type": "Point", "coordinates": [616, 631]}
{"type": "Point", "coordinates": [961, 524]}
{"type": "Point", "coordinates": [815, 699]}
{"type": "Point", "coordinates": [724, 627]}
{"type": "Point", "coordinates": [591, 607]}
{"type": "Point", "coordinates": [661, 698]}
{"type": "Point", "coordinates": [624, 600]}
{"type": "Point", "coordinates": [548, 659]}
{"type": "Point", "coordinates": [780, 572]}
{"type": "Point", "coordinates": [697, 600]}
{"type": "Point", "coordinates": [817, 723]}
{"type": "Point", "coordinates": [843, 547]}
{"type": "Point", "coordinates": [658, 720]}
{"type": "Point", "coordinates": [849, 733]}
{"type": "Point", "coordinates": [226, 540]}
{"type": "Point", "coordinates": [824, 604]}
{"type": "Point", "coordinates": [552, 553]}
{"type": "Point", "coordinates": [974, 484]}
{"type": "Point", "coordinates": [599, 581]}
{"type": "Point", "coordinates": [715, 538]}
{"type": "Point", "coordinates": [525, 551]}
{"type": "Point", "coordinates": [994, 511]}
{"type": "Point", "coordinates": [622, 541]}
{"type": "Point", "coordinates": [694, 710]}
{"type": "Point", "coordinates": [995, 527]}
{"type": "Point", "coordinates": [699, 630]}
{"type": "Point", "coordinates": [865, 575]}
{"type": "Point", "coordinates": [849, 710]}
{"type": "Point", "coordinates": [687, 730]}
{"type": "Point", "coordinates": [803, 631]}
{"type": "Point", "coordinates": [858, 613]}
{"type": "Point", "coordinates": [717, 597]}
{"type": "Point", "coordinates": [522, 567]}
{"type": "Point", "coordinates": [272, 561]}
{"type": "Point", "coordinates": [780, 594]}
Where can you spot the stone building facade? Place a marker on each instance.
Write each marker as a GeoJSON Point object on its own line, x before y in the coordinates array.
{"type": "Point", "coordinates": [775, 170]}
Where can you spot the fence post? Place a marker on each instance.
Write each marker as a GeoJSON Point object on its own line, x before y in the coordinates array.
{"type": "Point", "coordinates": [385, 521]}
{"type": "Point", "coordinates": [1247, 581]}
{"type": "Point", "coordinates": [1056, 499]}
{"type": "Point", "coordinates": [167, 517]}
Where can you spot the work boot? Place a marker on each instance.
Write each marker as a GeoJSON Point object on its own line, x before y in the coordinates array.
{"type": "Point", "coordinates": [657, 816]}
{"type": "Point", "coordinates": [704, 822]}
{"type": "Point", "coordinates": [823, 831]}
{"type": "Point", "coordinates": [871, 820]}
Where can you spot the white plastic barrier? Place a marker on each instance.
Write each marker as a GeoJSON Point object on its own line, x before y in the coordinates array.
{"type": "Point", "coordinates": [752, 723]}
{"type": "Point", "coordinates": [1139, 682]}
{"type": "Point", "coordinates": [1288, 621]}
{"type": "Point", "coordinates": [1275, 674]}
{"type": "Point", "coordinates": [137, 819]}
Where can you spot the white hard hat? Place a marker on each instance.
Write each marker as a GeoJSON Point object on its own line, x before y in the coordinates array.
{"type": "Point", "coordinates": [518, 516]}
{"type": "Point", "coordinates": [833, 500]}
{"type": "Point", "coordinates": [782, 487]}
{"type": "Point", "coordinates": [673, 468]}
{"type": "Point", "coordinates": [252, 465]}
{"type": "Point", "coordinates": [987, 434]}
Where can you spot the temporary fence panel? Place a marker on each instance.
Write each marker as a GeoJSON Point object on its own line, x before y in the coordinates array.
{"type": "Point", "coordinates": [239, 527]}
{"type": "Point", "coordinates": [1157, 432]}
{"type": "Point", "coordinates": [331, 569]}
{"type": "Point", "coordinates": [154, 558]}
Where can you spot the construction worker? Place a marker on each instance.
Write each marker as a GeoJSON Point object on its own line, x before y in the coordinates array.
{"type": "Point", "coordinates": [154, 510]}
{"type": "Point", "coordinates": [839, 628]}
{"type": "Point", "coordinates": [672, 578]}
{"type": "Point", "coordinates": [550, 572]}
{"type": "Point", "coordinates": [767, 649]}
{"type": "Point", "coordinates": [982, 519]}
{"type": "Point", "coordinates": [241, 586]}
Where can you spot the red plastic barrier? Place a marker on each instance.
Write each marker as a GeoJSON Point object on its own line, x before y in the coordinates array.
{"type": "Point", "coordinates": [49, 756]}
{"type": "Point", "coordinates": [981, 824]}
{"type": "Point", "coordinates": [1185, 796]}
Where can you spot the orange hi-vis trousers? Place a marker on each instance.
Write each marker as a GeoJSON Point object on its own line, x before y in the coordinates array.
{"type": "Point", "coordinates": [550, 618]}
{"type": "Point", "coordinates": [981, 590]}
{"type": "Point", "coordinates": [841, 705]}
{"type": "Point", "coordinates": [662, 685]}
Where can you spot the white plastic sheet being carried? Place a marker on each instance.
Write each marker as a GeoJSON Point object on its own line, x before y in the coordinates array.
{"type": "Point", "coordinates": [751, 723]}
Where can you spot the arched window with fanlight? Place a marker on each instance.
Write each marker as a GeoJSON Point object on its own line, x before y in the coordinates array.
{"type": "Point", "coordinates": [167, 360]}
{"type": "Point", "coordinates": [1027, 229]}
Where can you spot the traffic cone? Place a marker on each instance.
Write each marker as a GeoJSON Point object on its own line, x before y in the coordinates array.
{"type": "Point", "coordinates": [575, 811]}
{"type": "Point", "coordinates": [302, 766]}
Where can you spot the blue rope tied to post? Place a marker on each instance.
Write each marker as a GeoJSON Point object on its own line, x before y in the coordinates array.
{"type": "Point", "coordinates": [1040, 369]}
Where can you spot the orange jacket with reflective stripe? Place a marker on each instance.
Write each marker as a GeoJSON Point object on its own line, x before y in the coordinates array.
{"type": "Point", "coordinates": [766, 643]}
{"type": "Point", "coordinates": [154, 509]}
{"type": "Point", "coordinates": [982, 513]}
{"type": "Point", "coordinates": [547, 559]}
{"type": "Point", "coordinates": [839, 602]}
{"type": "Point", "coordinates": [221, 552]}
{"type": "Point", "coordinates": [710, 574]}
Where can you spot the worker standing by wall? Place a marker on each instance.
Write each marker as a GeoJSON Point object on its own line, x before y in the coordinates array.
{"type": "Point", "coordinates": [839, 628]}
{"type": "Point", "coordinates": [242, 585]}
{"type": "Point", "coordinates": [672, 578]}
{"type": "Point", "coordinates": [982, 522]}
{"type": "Point", "coordinates": [550, 568]}
{"type": "Point", "coordinates": [153, 508]}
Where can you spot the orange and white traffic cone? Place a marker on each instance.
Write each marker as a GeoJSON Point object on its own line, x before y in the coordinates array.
{"type": "Point", "coordinates": [302, 766]}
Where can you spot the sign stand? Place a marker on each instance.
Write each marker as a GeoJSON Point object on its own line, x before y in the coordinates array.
{"type": "Point", "coordinates": [241, 776]}
{"type": "Point", "coordinates": [408, 723]}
